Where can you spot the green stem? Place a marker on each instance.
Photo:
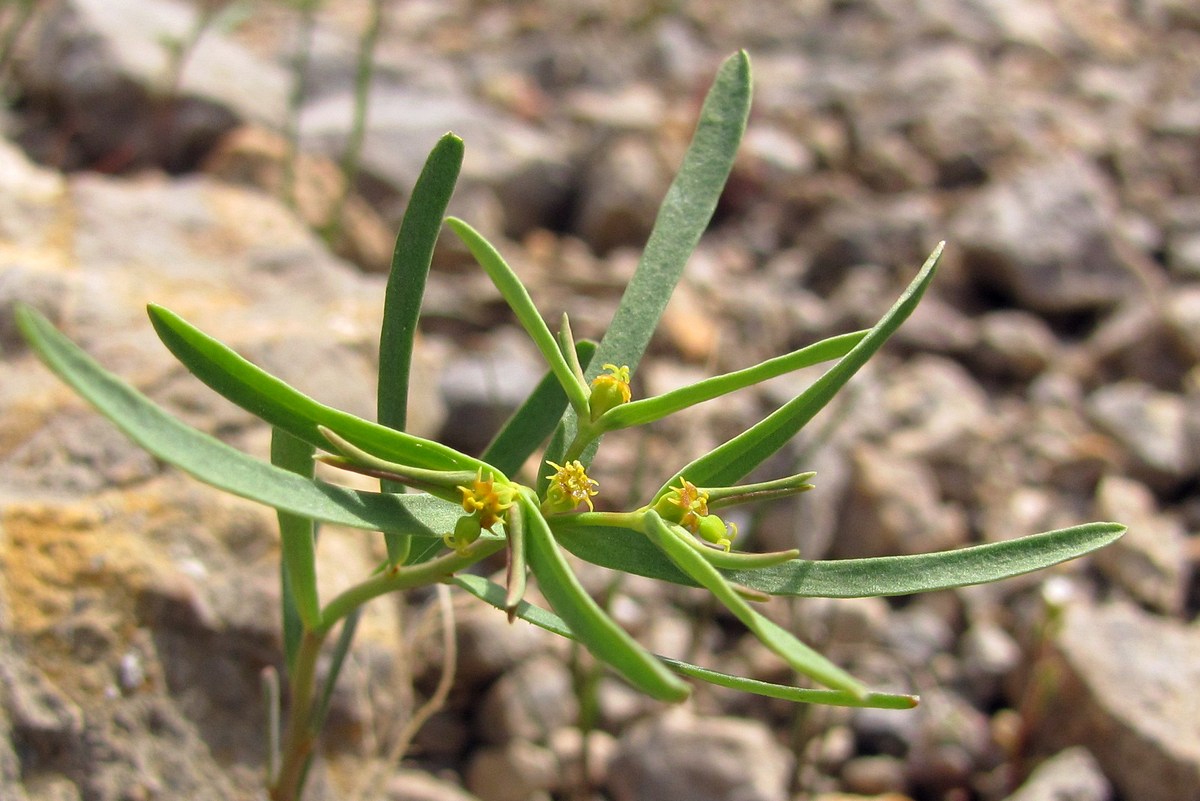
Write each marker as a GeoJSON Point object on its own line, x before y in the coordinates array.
{"type": "Point", "coordinates": [403, 578]}
{"type": "Point", "coordinates": [301, 734]}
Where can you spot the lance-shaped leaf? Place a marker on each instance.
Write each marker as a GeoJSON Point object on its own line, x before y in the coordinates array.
{"type": "Point", "coordinates": [647, 410]}
{"type": "Point", "coordinates": [598, 632]}
{"type": "Point", "coordinates": [802, 659]}
{"type": "Point", "coordinates": [283, 406]}
{"type": "Point", "coordinates": [682, 218]}
{"type": "Point", "coordinates": [730, 462]}
{"type": "Point", "coordinates": [410, 268]}
{"type": "Point", "coordinates": [411, 259]}
{"type": "Point", "coordinates": [213, 462]}
{"type": "Point", "coordinates": [494, 594]}
{"type": "Point", "coordinates": [628, 551]}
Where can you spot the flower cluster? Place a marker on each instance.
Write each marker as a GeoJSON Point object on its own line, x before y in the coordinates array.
{"type": "Point", "coordinates": [687, 505]}
{"type": "Point", "coordinates": [569, 487]}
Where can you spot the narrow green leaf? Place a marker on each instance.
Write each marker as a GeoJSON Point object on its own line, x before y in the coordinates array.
{"type": "Point", "coordinates": [281, 405]}
{"type": "Point", "coordinates": [607, 641]}
{"type": "Point", "coordinates": [682, 218]}
{"type": "Point", "coordinates": [219, 465]}
{"type": "Point", "coordinates": [411, 259]}
{"type": "Point", "coordinates": [298, 567]}
{"type": "Point", "coordinates": [517, 565]}
{"type": "Point", "coordinates": [518, 299]}
{"type": "Point", "coordinates": [410, 268]}
{"type": "Point", "coordinates": [801, 657]}
{"type": "Point", "coordinates": [494, 594]}
{"type": "Point", "coordinates": [730, 462]}
{"type": "Point", "coordinates": [684, 215]}
{"type": "Point", "coordinates": [533, 422]}
{"type": "Point", "coordinates": [647, 410]}
{"type": "Point", "coordinates": [628, 551]}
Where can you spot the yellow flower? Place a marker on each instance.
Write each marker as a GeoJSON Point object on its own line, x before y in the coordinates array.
{"type": "Point", "coordinates": [684, 505]}
{"type": "Point", "coordinates": [487, 500]}
{"type": "Point", "coordinates": [609, 390]}
{"type": "Point", "coordinates": [569, 487]}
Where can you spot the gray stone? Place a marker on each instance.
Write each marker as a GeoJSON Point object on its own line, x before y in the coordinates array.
{"type": "Point", "coordinates": [874, 775]}
{"type": "Point", "coordinates": [681, 757]}
{"type": "Point", "coordinates": [412, 785]}
{"type": "Point", "coordinates": [1151, 426]}
{"type": "Point", "coordinates": [571, 744]}
{"type": "Point", "coordinates": [620, 194]}
{"type": "Point", "coordinates": [515, 771]}
{"type": "Point", "coordinates": [893, 507]}
{"type": "Point", "coordinates": [109, 63]}
{"type": "Point", "coordinates": [483, 386]}
{"type": "Point", "coordinates": [1044, 238]}
{"type": "Point", "coordinates": [1150, 561]}
{"type": "Point", "coordinates": [525, 167]}
{"type": "Point", "coordinates": [1183, 317]}
{"type": "Point", "coordinates": [1126, 691]}
{"type": "Point", "coordinates": [952, 742]}
{"type": "Point", "coordinates": [528, 702]}
{"type": "Point", "coordinates": [1070, 775]}
{"type": "Point", "coordinates": [989, 654]}
{"type": "Point", "coordinates": [1015, 344]}
{"type": "Point", "coordinates": [489, 646]}
{"type": "Point", "coordinates": [936, 410]}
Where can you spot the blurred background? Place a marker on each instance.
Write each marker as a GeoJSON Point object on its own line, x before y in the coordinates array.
{"type": "Point", "coordinates": [246, 163]}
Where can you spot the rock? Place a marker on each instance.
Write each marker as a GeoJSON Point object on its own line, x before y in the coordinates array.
{"type": "Point", "coordinates": [935, 410]}
{"type": "Point", "coordinates": [1139, 716]}
{"type": "Point", "coordinates": [43, 720]}
{"type": "Point", "coordinates": [637, 107]}
{"type": "Point", "coordinates": [620, 194]}
{"type": "Point", "coordinates": [34, 200]}
{"type": "Point", "coordinates": [528, 702]}
{"type": "Point", "coordinates": [489, 646]}
{"type": "Point", "coordinates": [1150, 561]}
{"type": "Point", "coordinates": [874, 775]}
{"type": "Point", "coordinates": [1183, 317]}
{"type": "Point", "coordinates": [515, 771]}
{"type": "Point", "coordinates": [952, 742]}
{"type": "Point", "coordinates": [109, 66]}
{"type": "Point", "coordinates": [1070, 775]}
{"type": "Point", "coordinates": [1151, 426]}
{"type": "Point", "coordinates": [1042, 238]}
{"type": "Point", "coordinates": [680, 756]}
{"type": "Point", "coordinates": [254, 156]}
{"type": "Point", "coordinates": [483, 386]}
{"type": "Point", "coordinates": [568, 745]}
{"type": "Point", "coordinates": [893, 507]}
{"type": "Point", "coordinates": [989, 654]}
{"type": "Point", "coordinates": [526, 168]}
{"type": "Point", "coordinates": [1015, 344]}
{"type": "Point", "coordinates": [413, 785]}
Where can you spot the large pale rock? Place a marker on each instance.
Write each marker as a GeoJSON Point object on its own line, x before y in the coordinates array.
{"type": "Point", "coordinates": [109, 64]}
{"type": "Point", "coordinates": [1126, 690]}
{"type": "Point", "coordinates": [1071, 775]}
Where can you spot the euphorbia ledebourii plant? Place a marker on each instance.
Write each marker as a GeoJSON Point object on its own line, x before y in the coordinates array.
{"type": "Point", "coordinates": [442, 511]}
